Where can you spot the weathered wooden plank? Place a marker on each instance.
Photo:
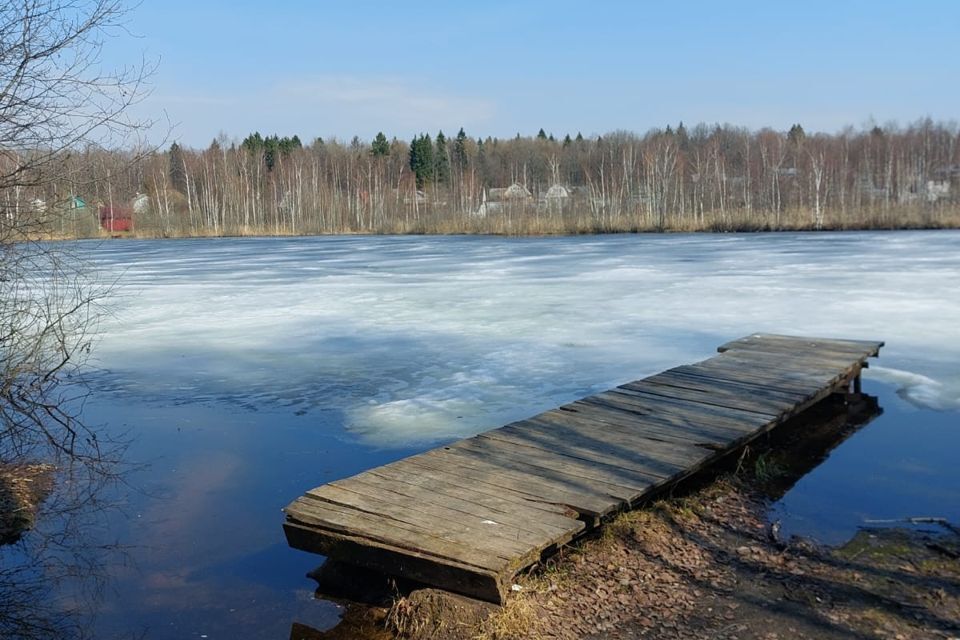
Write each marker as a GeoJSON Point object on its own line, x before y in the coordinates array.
{"type": "Point", "coordinates": [414, 564]}
{"type": "Point", "coordinates": [435, 489]}
{"type": "Point", "coordinates": [766, 388]}
{"type": "Point", "coordinates": [785, 367]}
{"type": "Point", "coordinates": [733, 370]}
{"type": "Point", "coordinates": [669, 429]}
{"type": "Point", "coordinates": [812, 364]}
{"type": "Point", "coordinates": [480, 499]}
{"type": "Point", "coordinates": [814, 380]}
{"type": "Point", "coordinates": [729, 387]}
{"type": "Point", "coordinates": [442, 537]}
{"type": "Point", "coordinates": [712, 444]}
{"type": "Point", "coordinates": [415, 506]}
{"type": "Point", "coordinates": [697, 413]}
{"type": "Point", "coordinates": [700, 402]}
{"type": "Point", "coordinates": [455, 525]}
{"type": "Point", "coordinates": [571, 443]}
{"type": "Point", "coordinates": [789, 354]}
{"type": "Point", "coordinates": [674, 429]}
{"type": "Point", "coordinates": [558, 490]}
{"type": "Point", "coordinates": [760, 379]}
{"type": "Point", "coordinates": [825, 387]}
{"type": "Point", "coordinates": [619, 482]}
{"type": "Point", "coordinates": [619, 442]}
{"type": "Point", "coordinates": [347, 521]}
{"type": "Point", "coordinates": [714, 397]}
{"type": "Point", "coordinates": [799, 343]}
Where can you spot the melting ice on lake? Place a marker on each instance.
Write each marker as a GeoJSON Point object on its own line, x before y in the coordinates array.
{"type": "Point", "coordinates": [415, 339]}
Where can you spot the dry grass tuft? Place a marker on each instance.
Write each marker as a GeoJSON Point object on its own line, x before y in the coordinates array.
{"type": "Point", "coordinates": [517, 619]}
{"type": "Point", "coordinates": [438, 615]}
{"type": "Point", "coordinates": [405, 618]}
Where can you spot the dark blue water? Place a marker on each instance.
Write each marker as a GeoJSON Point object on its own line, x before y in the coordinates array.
{"type": "Point", "coordinates": [205, 518]}
{"type": "Point", "coordinates": [901, 465]}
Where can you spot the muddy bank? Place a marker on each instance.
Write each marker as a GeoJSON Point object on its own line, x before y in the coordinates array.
{"type": "Point", "coordinates": [708, 565]}
{"type": "Point", "coordinates": [22, 488]}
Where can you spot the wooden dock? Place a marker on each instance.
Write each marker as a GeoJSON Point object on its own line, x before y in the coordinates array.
{"type": "Point", "coordinates": [468, 516]}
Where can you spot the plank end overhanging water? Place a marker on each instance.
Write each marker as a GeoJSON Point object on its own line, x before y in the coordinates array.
{"type": "Point", "coordinates": [468, 516]}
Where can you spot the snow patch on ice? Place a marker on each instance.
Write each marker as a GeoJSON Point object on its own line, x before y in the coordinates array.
{"type": "Point", "coordinates": [400, 422]}
{"type": "Point", "coordinates": [918, 389]}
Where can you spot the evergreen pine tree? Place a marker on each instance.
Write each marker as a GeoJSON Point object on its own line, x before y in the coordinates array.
{"type": "Point", "coordinates": [426, 150]}
{"type": "Point", "coordinates": [541, 135]}
{"type": "Point", "coordinates": [796, 134]}
{"type": "Point", "coordinates": [682, 138]}
{"type": "Point", "coordinates": [567, 140]}
{"type": "Point", "coordinates": [380, 147]}
{"type": "Point", "coordinates": [441, 160]}
{"type": "Point", "coordinates": [286, 145]}
{"type": "Point", "coordinates": [178, 172]}
{"type": "Point", "coordinates": [253, 143]}
{"type": "Point", "coordinates": [460, 149]}
{"type": "Point", "coordinates": [271, 149]}
{"type": "Point", "coordinates": [579, 137]}
{"type": "Point", "coordinates": [415, 157]}
{"type": "Point", "coordinates": [421, 159]}
{"type": "Point", "coordinates": [481, 158]}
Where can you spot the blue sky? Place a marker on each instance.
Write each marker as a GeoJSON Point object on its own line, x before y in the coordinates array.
{"type": "Point", "coordinates": [498, 68]}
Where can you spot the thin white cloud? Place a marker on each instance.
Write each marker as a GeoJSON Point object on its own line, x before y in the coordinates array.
{"type": "Point", "coordinates": [337, 105]}
{"type": "Point", "coordinates": [399, 101]}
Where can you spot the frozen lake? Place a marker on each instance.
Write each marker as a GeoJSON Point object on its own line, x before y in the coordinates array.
{"type": "Point", "coordinates": [248, 370]}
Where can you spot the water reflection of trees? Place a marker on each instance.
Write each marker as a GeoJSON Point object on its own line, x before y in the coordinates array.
{"type": "Point", "coordinates": [802, 444]}
{"type": "Point", "coordinates": [53, 577]}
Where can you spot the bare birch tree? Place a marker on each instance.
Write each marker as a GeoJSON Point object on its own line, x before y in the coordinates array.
{"type": "Point", "coordinates": [55, 99]}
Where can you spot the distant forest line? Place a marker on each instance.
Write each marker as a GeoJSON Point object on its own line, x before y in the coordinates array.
{"type": "Point", "coordinates": [719, 178]}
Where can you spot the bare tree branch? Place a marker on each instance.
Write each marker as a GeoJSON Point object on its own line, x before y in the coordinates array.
{"type": "Point", "coordinates": [56, 100]}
